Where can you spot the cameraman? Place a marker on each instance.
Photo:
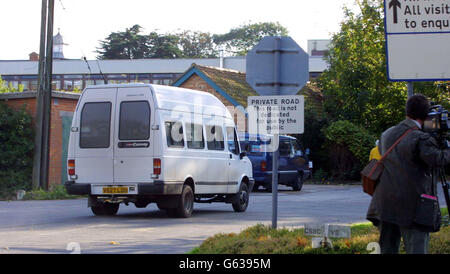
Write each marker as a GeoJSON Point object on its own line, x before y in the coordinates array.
{"type": "Point", "coordinates": [406, 175]}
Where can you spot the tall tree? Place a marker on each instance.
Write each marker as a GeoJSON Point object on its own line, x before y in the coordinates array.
{"type": "Point", "coordinates": [196, 44]}
{"type": "Point", "coordinates": [128, 44]}
{"type": "Point", "coordinates": [163, 46]}
{"type": "Point", "coordinates": [355, 85]}
{"type": "Point", "coordinates": [240, 40]}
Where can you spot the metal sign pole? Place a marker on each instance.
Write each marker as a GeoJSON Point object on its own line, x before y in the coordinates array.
{"type": "Point", "coordinates": [276, 141]}
{"type": "Point", "coordinates": [410, 89]}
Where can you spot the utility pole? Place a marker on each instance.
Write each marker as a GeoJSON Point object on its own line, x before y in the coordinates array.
{"type": "Point", "coordinates": [43, 98]}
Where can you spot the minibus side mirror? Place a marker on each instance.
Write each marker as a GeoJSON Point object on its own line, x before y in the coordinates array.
{"type": "Point", "coordinates": [243, 154]}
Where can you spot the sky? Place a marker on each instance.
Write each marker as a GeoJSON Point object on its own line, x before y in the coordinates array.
{"type": "Point", "coordinates": [83, 23]}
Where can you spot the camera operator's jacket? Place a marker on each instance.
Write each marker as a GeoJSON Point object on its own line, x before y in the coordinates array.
{"type": "Point", "coordinates": [406, 175]}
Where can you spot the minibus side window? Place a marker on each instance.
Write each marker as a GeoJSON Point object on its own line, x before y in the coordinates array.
{"type": "Point", "coordinates": [174, 134]}
{"type": "Point", "coordinates": [95, 125]}
{"type": "Point", "coordinates": [233, 144]}
{"type": "Point", "coordinates": [194, 136]}
{"type": "Point", "coordinates": [214, 138]}
{"type": "Point", "coordinates": [134, 121]}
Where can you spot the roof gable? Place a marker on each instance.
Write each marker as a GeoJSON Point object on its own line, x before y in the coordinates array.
{"type": "Point", "coordinates": [229, 83]}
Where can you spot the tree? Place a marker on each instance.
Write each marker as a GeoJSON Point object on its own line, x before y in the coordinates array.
{"type": "Point", "coordinates": [242, 39]}
{"type": "Point", "coordinates": [128, 44]}
{"type": "Point", "coordinates": [355, 86]}
{"type": "Point", "coordinates": [163, 46]}
{"type": "Point", "coordinates": [195, 44]}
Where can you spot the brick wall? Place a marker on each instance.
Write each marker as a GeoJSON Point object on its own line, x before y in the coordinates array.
{"type": "Point", "coordinates": [60, 107]}
{"type": "Point", "coordinates": [197, 83]}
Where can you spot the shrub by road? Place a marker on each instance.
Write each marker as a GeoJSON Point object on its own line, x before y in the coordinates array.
{"type": "Point", "coordinates": [262, 239]}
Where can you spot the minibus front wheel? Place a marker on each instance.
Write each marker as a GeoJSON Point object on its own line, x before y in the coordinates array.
{"type": "Point", "coordinates": [242, 198]}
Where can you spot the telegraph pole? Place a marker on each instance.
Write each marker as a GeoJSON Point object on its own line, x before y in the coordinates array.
{"type": "Point", "coordinates": [43, 97]}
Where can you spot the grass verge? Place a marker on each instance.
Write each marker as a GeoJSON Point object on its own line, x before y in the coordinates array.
{"type": "Point", "coordinates": [57, 192]}
{"type": "Point", "coordinates": [261, 239]}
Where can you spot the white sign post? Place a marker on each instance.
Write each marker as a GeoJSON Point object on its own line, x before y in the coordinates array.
{"type": "Point", "coordinates": [326, 231]}
{"type": "Point", "coordinates": [283, 114]}
{"type": "Point", "coordinates": [417, 39]}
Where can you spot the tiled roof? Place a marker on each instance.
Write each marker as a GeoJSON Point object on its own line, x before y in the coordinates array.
{"type": "Point", "coordinates": [235, 85]}
{"type": "Point", "coordinates": [230, 81]}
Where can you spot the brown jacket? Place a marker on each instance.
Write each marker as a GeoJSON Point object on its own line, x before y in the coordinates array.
{"type": "Point", "coordinates": [406, 175]}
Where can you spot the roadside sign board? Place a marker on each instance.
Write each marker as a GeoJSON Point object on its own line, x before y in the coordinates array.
{"type": "Point", "coordinates": [277, 66]}
{"type": "Point", "coordinates": [282, 114]}
{"type": "Point", "coordinates": [417, 40]}
{"type": "Point", "coordinates": [334, 231]}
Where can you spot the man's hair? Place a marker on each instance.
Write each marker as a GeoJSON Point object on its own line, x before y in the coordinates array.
{"type": "Point", "coordinates": [417, 107]}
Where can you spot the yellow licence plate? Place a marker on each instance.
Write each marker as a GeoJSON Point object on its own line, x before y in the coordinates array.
{"type": "Point", "coordinates": [115, 190]}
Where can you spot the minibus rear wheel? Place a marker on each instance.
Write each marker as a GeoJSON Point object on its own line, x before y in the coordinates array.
{"type": "Point", "coordinates": [185, 204]}
{"type": "Point", "coordinates": [105, 209]}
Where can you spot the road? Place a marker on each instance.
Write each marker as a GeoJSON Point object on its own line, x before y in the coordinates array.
{"type": "Point", "coordinates": [49, 226]}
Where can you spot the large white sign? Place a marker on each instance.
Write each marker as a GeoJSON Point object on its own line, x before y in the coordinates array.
{"type": "Point", "coordinates": [418, 39]}
{"type": "Point", "coordinates": [283, 114]}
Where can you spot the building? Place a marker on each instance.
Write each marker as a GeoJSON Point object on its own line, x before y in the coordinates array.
{"type": "Point", "coordinates": [63, 107]}
{"type": "Point", "coordinates": [75, 75]}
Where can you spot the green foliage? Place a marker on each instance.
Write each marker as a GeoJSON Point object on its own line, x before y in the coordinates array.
{"type": "Point", "coordinates": [4, 88]}
{"type": "Point", "coordinates": [261, 239]}
{"type": "Point", "coordinates": [355, 86]}
{"type": "Point", "coordinates": [16, 150]}
{"type": "Point", "coordinates": [56, 192]}
{"type": "Point", "coordinates": [132, 44]}
{"type": "Point", "coordinates": [349, 147]}
{"type": "Point", "coordinates": [196, 44]}
{"type": "Point", "coordinates": [128, 44]}
{"type": "Point", "coordinates": [163, 46]}
{"type": "Point", "coordinates": [242, 39]}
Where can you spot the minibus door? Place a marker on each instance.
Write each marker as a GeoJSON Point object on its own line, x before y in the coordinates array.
{"type": "Point", "coordinates": [94, 122]}
{"type": "Point", "coordinates": [133, 148]}
{"type": "Point", "coordinates": [234, 160]}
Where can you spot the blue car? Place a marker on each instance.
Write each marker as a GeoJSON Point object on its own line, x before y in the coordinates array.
{"type": "Point", "coordinates": [294, 166]}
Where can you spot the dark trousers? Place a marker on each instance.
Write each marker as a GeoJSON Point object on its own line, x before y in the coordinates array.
{"type": "Point", "coordinates": [416, 242]}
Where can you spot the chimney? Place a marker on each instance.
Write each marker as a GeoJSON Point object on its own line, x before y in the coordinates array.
{"type": "Point", "coordinates": [34, 56]}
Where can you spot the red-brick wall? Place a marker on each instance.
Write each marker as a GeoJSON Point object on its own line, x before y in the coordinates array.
{"type": "Point", "coordinates": [197, 83]}
{"type": "Point", "coordinates": [58, 104]}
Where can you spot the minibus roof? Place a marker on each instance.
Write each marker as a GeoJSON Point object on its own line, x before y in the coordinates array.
{"type": "Point", "coordinates": [181, 99]}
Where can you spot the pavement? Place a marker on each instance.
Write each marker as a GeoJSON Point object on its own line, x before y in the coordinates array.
{"type": "Point", "coordinates": [66, 226]}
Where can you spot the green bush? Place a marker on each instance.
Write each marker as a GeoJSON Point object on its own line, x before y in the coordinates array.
{"type": "Point", "coordinates": [349, 147]}
{"type": "Point", "coordinates": [16, 150]}
{"type": "Point", "coordinates": [56, 192]}
{"type": "Point", "coordinates": [261, 239]}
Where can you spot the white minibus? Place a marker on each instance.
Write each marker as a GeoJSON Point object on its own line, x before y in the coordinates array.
{"type": "Point", "coordinates": [142, 144]}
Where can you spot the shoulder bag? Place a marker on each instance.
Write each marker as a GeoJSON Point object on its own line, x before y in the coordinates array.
{"type": "Point", "coordinates": [371, 174]}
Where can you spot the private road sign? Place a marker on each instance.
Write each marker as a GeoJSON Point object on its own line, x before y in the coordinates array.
{"type": "Point", "coordinates": [277, 66]}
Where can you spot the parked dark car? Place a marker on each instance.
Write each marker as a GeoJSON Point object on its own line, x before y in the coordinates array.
{"type": "Point", "coordinates": [294, 166]}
